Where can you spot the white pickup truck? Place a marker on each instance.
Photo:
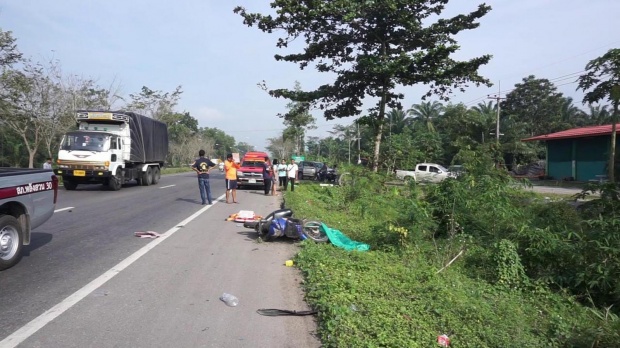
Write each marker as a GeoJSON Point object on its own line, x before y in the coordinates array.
{"type": "Point", "coordinates": [425, 172]}
{"type": "Point", "coordinates": [27, 200]}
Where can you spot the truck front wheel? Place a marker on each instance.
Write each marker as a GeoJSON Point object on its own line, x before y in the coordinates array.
{"type": "Point", "coordinates": [10, 241]}
{"type": "Point", "coordinates": [115, 182]}
{"type": "Point", "coordinates": [68, 184]}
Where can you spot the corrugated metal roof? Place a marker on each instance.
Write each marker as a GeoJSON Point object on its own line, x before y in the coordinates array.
{"type": "Point", "coordinates": [593, 131]}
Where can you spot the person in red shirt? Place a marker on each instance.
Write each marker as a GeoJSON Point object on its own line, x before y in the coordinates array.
{"type": "Point", "coordinates": [230, 168]}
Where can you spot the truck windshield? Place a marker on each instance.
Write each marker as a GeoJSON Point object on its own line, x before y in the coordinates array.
{"type": "Point", "coordinates": [252, 164]}
{"type": "Point", "coordinates": [85, 141]}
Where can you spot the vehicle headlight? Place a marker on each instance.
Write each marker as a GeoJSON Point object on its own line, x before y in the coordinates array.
{"type": "Point", "coordinates": [239, 173]}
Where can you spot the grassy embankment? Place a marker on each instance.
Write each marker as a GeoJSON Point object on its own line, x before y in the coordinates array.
{"type": "Point", "coordinates": [514, 257]}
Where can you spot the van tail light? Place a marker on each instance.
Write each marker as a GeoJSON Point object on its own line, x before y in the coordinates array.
{"type": "Point", "coordinates": [55, 187]}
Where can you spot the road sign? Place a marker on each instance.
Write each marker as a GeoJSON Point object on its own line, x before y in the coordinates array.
{"type": "Point", "coordinates": [298, 158]}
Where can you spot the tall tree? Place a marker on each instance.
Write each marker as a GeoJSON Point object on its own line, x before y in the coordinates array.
{"type": "Point", "coordinates": [602, 82]}
{"type": "Point", "coordinates": [154, 104]}
{"type": "Point", "coordinates": [297, 120]}
{"type": "Point", "coordinates": [279, 147]}
{"type": "Point", "coordinates": [536, 102]}
{"type": "Point", "coordinates": [8, 49]}
{"type": "Point", "coordinates": [426, 112]}
{"type": "Point", "coordinates": [372, 47]}
{"type": "Point", "coordinates": [25, 104]}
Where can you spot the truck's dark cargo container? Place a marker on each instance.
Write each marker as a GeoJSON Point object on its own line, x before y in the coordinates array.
{"type": "Point", "coordinates": [149, 139]}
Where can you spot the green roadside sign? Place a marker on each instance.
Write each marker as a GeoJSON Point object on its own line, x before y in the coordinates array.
{"type": "Point", "coordinates": [298, 158]}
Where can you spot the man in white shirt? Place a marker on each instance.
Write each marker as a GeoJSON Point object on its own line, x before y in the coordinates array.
{"type": "Point", "coordinates": [282, 174]}
{"type": "Point", "coordinates": [47, 164]}
{"type": "Point", "coordinates": [291, 171]}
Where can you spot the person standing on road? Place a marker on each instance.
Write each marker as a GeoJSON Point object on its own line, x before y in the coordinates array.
{"type": "Point", "coordinates": [274, 177]}
{"type": "Point", "coordinates": [47, 164]}
{"type": "Point", "coordinates": [202, 166]}
{"type": "Point", "coordinates": [282, 174]}
{"type": "Point", "coordinates": [231, 178]}
{"type": "Point", "coordinates": [292, 170]}
{"type": "Point", "coordinates": [267, 171]}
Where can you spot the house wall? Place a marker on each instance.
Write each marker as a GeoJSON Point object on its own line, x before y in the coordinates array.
{"type": "Point", "coordinates": [580, 158]}
{"type": "Point", "coordinates": [560, 158]}
{"type": "Point", "coordinates": [591, 157]}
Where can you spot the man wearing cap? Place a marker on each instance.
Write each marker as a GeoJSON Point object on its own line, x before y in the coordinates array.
{"type": "Point", "coordinates": [202, 166]}
{"type": "Point", "coordinates": [230, 168]}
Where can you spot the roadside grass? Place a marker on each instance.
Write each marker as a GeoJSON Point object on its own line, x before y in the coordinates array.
{"type": "Point", "coordinates": [175, 170]}
{"type": "Point", "coordinates": [396, 296]}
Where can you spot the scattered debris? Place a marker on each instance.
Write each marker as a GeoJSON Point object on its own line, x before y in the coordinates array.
{"type": "Point", "coordinates": [230, 300]}
{"type": "Point", "coordinates": [443, 340]}
{"type": "Point", "coordinates": [243, 216]}
{"type": "Point", "coordinates": [288, 263]}
{"type": "Point", "coordinates": [147, 234]}
{"type": "Point", "coordinates": [270, 312]}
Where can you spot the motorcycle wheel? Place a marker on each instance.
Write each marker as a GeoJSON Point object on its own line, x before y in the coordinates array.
{"type": "Point", "coordinates": [312, 229]}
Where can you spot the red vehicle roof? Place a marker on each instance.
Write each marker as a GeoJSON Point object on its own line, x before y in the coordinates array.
{"type": "Point", "coordinates": [593, 131]}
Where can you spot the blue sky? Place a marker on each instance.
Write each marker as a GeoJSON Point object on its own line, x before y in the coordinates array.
{"type": "Point", "coordinates": [203, 46]}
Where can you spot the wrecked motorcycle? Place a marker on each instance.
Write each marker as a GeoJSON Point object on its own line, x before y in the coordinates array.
{"type": "Point", "coordinates": [281, 223]}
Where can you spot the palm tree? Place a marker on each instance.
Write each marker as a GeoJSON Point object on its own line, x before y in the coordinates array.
{"type": "Point", "coordinates": [570, 114]}
{"type": "Point", "coordinates": [397, 121]}
{"type": "Point", "coordinates": [599, 114]}
{"type": "Point", "coordinates": [427, 112]}
{"type": "Point", "coordinates": [486, 117]}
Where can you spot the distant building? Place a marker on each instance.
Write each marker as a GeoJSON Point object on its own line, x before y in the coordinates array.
{"type": "Point", "coordinates": [579, 154]}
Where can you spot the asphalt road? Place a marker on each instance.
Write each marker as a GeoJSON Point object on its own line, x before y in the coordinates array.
{"type": "Point", "coordinates": [107, 288]}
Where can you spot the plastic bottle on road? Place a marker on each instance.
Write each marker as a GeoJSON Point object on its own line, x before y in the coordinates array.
{"type": "Point", "coordinates": [229, 299]}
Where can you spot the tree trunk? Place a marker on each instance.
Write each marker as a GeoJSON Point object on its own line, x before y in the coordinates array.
{"type": "Point", "coordinates": [380, 117]}
{"type": "Point", "coordinates": [379, 133]}
{"type": "Point", "coordinates": [612, 153]}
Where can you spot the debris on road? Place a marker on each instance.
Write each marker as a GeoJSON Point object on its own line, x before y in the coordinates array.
{"type": "Point", "coordinates": [147, 234]}
{"type": "Point", "coordinates": [230, 300]}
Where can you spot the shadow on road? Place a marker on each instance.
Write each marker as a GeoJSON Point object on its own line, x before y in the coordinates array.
{"type": "Point", "coordinates": [253, 237]}
{"type": "Point", "coordinates": [189, 200]}
{"type": "Point", "coordinates": [37, 240]}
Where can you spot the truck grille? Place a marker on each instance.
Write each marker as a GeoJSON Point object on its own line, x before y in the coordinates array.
{"type": "Point", "coordinates": [86, 165]}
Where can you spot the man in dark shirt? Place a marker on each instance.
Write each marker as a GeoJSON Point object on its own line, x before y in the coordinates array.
{"type": "Point", "coordinates": [267, 175]}
{"type": "Point", "coordinates": [202, 166]}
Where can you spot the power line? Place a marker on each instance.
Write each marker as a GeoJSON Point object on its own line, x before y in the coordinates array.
{"type": "Point", "coordinates": [553, 80]}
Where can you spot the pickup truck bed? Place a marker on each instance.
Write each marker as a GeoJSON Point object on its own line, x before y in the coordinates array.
{"type": "Point", "coordinates": [27, 200]}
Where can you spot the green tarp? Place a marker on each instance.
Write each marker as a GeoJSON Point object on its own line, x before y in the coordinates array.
{"type": "Point", "coordinates": [340, 240]}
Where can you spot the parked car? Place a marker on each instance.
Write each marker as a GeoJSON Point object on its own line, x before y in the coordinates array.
{"type": "Point", "coordinates": [425, 172]}
{"type": "Point", "coordinates": [309, 169]}
{"type": "Point", "coordinates": [27, 200]}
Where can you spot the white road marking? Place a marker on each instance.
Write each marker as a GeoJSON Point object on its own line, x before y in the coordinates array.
{"type": "Point", "coordinates": [167, 186]}
{"type": "Point", "coordinates": [63, 209]}
{"type": "Point", "coordinates": [39, 322]}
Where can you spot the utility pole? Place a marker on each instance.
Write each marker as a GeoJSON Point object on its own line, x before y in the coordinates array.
{"type": "Point", "coordinates": [359, 140]}
{"type": "Point", "coordinates": [497, 99]}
